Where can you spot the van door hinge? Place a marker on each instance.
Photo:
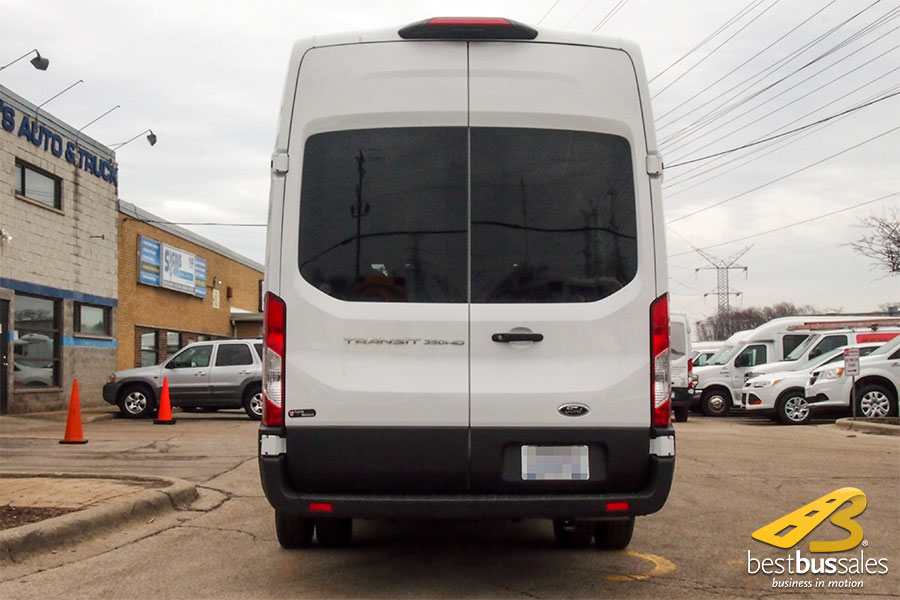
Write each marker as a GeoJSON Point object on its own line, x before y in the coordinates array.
{"type": "Point", "coordinates": [280, 163]}
{"type": "Point", "coordinates": [654, 164]}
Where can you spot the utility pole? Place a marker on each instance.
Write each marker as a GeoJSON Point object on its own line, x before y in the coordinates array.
{"type": "Point", "coordinates": [724, 293]}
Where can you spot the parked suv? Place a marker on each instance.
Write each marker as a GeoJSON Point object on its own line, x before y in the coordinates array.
{"type": "Point", "coordinates": [205, 375]}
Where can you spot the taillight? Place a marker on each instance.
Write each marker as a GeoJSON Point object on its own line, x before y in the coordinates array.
{"type": "Point", "coordinates": [690, 375]}
{"type": "Point", "coordinates": [659, 357]}
{"type": "Point", "coordinates": [273, 361]}
{"type": "Point", "coordinates": [467, 28]}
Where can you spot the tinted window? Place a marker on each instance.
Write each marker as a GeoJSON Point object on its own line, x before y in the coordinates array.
{"type": "Point", "coordinates": [678, 337]}
{"type": "Point", "coordinates": [829, 342]}
{"type": "Point", "coordinates": [553, 215]}
{"type": "Point", "coordinates": [195, 356]}
{"type": "Point", "coordinates": [383, 214]}
{"type": "Point", "coordinates": [230, 355]}
{"type": "Point", "coordinates": [751, 356]}
{"type": "Point", "coordinates": [259, 349]}
{"type": "Point", "coordinates": [791, 341]}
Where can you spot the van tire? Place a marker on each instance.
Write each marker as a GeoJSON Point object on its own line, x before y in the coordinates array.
{"type": "Point", "coordinates": [293, 531]}
{"type": "Point", "coordinates": [715, 403]}
{"type": "Point", "coordinates": [334, 533]}
{"type": "Point", "coordinates": [873, 401]}
{"type": "Point", "coordinates": [572, 534]}
{"type": "Point", "coordinates": [136, 401]}
{"type": "Point", "coordinates": [614, 534]}
{"type": "Point", "coordinates": [793, 409]}
{"type": "Point", "coordinates": [681, 413]}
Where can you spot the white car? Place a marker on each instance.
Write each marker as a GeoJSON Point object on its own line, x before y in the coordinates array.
{"type": "Point", "coordinates": [783, 392]}
{"type": "Point", "coordinates": [877, 384]}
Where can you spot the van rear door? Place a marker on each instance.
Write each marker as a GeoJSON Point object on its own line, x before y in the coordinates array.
{"type": "Point", "coordinates": [376, 384]}
{"type": "Point", "coordinates": [562, 270]}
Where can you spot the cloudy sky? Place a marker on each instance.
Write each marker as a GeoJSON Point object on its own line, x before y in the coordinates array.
{"type": "Point", "coordinates": [207, 76]}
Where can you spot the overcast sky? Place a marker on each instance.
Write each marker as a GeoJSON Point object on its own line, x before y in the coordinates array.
{"type": "Point", "coordinates": [207, 76]}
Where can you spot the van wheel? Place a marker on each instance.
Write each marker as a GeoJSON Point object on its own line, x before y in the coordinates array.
{"type": "Point", "coordinates": [715, 403]}
{"type": "Point", "coordinates": [293, 531]}
{"type": "Point", "coordinates": [334, 533]}
{"type": "Point", "coordinates": [681, 413]}
{"type": "Point", "coordinates": [614, 534]}
{"type": "Point", "coordinates": [793, 409]}
{"type": "Point", "coordinates": [572, 534]}
{"type": "Point", "coordinates": [874, 401]}
{"type": "Point", "coordinates": [136, 401]}
{"type": "Point", "coordinates": [253, 402]}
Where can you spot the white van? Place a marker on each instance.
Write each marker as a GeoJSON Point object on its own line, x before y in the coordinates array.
{"type": "Point", "coordinates": [682, 364]}
{"type": "Point", "coordinates": [466, 306]}
{"type": "Point", "coordinates": [719, 383]}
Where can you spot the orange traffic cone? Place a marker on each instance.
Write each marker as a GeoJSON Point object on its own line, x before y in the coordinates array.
{"type": "Point", "coordinates": [164, 417]}
{"type": "Point", "coordinates": [73, 422]}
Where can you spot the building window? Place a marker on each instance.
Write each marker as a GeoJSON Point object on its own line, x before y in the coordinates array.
{"type": "Point", "coordinates": [148, 349]}
{"type": "Point", "coordinates": [92, 320]}
{"type": "Point", "coordinates": [173, 342]}
{"type": "Point", "coordinates": [36, 344]}
{"type": "Point", "coordinates": [38, 185]}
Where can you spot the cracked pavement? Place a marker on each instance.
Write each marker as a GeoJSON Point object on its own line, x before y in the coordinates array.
{"type": "Point", "coordinates": [732, 476]}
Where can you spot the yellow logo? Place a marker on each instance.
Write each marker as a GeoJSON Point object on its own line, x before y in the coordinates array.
{"type": "Point", "coordinates": [787, 531]}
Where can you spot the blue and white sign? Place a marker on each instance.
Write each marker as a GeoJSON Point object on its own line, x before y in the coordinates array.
{"type": "Point", "coordinates": [149, 263]}
{"type": "Point", "coordinates": [165, 266]}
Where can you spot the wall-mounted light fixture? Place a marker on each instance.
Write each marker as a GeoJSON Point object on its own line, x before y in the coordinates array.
{"type": "Point", "coordinates": [5, 237]}
{"type": "Point", "coordinates": [38, 62]}
{"type": "Point", "coordinates": [78, 133]}
{"type": "Point", "coordinates": [151, 139]}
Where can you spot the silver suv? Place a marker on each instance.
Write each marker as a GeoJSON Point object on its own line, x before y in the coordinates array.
{"type": "Point", "coordinates": [203, 375]}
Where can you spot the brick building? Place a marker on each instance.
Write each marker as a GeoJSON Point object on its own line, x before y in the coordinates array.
{"type": "Point", "coordinates": [214, 294]}
{"type": "Point", "coordinates": [58, 260]}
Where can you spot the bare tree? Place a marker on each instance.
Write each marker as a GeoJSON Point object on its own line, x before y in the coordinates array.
{"type": "Point", "coordinates": [882, 242]}
{"type": "Point", "coordinates": [721, 326]}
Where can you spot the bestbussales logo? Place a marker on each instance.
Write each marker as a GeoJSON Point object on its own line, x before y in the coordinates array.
{"type": "Point", "coordinates": [841, 507]}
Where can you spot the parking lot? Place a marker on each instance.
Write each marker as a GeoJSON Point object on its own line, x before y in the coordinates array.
{"type": "Point", "coordinates": [733, 476]}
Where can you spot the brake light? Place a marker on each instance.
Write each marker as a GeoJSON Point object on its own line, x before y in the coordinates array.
{"type": "Point", "coordinates": [273, 361]}
{"type": "Point", "coordinates": [467, 28]}
{"type": "Point", "coordinates": [690, 373]}
{"type": "Point", "coordinates": [659, 356]}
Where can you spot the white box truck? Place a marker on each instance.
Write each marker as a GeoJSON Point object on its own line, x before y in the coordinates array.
{"type": "Point", "coordinates": [466, 306]}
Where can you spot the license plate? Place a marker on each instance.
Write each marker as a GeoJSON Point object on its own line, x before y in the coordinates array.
{"type": "Point", "coordinates": [555, 463]}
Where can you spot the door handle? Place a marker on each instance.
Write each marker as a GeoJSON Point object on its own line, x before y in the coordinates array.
{"type": "Point", "coordinates": [505, 338]}
{"type": "Point", "coordinates": [200, 374]}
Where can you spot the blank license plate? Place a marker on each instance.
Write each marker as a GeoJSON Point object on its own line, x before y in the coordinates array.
{"type": "Point", "coordinates": [555, 463]}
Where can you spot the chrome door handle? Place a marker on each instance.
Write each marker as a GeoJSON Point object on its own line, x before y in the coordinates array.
{"type": "Point", "coordinates": [505, 338]}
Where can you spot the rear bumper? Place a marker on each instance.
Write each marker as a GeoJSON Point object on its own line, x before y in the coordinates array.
{"type": "Point", "coordinates": [647, 498]}
{"type": "Point", "coordinates": [682, 396]}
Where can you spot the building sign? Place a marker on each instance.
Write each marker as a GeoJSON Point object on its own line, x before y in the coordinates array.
{"type": "Point", "coordinates": [165, 266]}
{"type": "Point", "coordinates": [43, 137]}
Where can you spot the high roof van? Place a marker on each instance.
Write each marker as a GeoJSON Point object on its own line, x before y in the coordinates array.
{"type": "Point", "coordinates": [466, 307]}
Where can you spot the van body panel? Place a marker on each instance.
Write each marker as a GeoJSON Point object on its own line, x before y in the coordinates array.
{"type": "Point", "coordinates": [399, 400]}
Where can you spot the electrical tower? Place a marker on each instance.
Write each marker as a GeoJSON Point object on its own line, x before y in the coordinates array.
{"type": "Point", "coordinates": [722, 267]}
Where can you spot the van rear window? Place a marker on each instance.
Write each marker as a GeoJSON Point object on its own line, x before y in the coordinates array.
{"type": "Point", "coordinates": [385, 215]}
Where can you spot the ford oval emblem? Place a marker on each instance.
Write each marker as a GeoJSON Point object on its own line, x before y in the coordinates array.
{"type": "Point", "coordinates": [574, 410]}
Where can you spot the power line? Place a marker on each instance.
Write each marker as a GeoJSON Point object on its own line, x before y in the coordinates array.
{"type": "Point", "coordinates": [792, 131]}
{"type": "Point", "coordinates": [611, 14]}
{"type": "Point", "coordinates": [716, 49]}
{"type": "Point", "coordinates": [783, 177]}
{"type": "Point", "coordinates": [695, 130]}
{"type": "Point", "coordinates": [743, 64]}
{"type": "Point", "coordinates": [803, 222]}
{"type": "Point", "coordinates": [711, 36]}
{"type": "Point", "coordinates": [546, 14]}
{"type": "Point", "coordinates": [723, 108]}
{"type": "Point", "coordinates": [681, 178]}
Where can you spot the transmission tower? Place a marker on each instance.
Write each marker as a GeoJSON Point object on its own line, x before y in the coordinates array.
{"type": "Point", "coordinates": [722, 267]}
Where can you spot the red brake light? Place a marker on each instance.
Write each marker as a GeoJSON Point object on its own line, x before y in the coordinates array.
{"type": "Point", "coordinates": [274, 321]}
{"type": "Point", "coordinates": [467, 28]}
{"type": "Point", "coordinates": [660, 383]}
{"type": "Point", "coordinates": [615, 506]}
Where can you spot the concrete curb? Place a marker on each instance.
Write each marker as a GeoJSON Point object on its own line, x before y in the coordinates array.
{"type": "Point", "coordinates": [868, 427]}
{"type": "Point", "coordinates": [48, 534]}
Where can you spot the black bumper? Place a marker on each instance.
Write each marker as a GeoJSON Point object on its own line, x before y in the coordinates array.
{"type": "Point", "coordinates": [646, 498]}
{"type": "Point", "coordinates": [111, 392]}
{"type": "Point", "coordinates": [682, 397]}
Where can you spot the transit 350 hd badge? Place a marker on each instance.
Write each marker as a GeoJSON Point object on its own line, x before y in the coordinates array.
{"type": "Point", "coordinates": [845, 571]}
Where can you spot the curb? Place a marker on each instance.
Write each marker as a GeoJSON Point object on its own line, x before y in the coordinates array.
{"type": "Point", "coordinates": [867, 427]}
{"type": "Point", "coordinates": [50, 533]}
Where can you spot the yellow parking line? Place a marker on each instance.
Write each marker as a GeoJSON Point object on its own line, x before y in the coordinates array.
{"type": "Point", "coordinates": [661, 566]}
